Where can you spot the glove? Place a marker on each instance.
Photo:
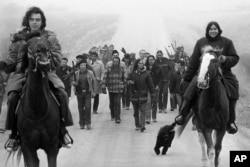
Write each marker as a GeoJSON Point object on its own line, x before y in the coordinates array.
{"type": "Point", "coordinates": [222, 58]}
{"type": "Point", "coordinates": [2, 65]}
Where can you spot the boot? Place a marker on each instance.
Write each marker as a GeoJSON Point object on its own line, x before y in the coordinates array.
{"type": "Point", "coordinates": [184, 111]}
{"type": "Point", "coordinates": [12, 143]}
{"type": "Point", "coordinates": [232, 127]}
{"type": "Point", "coordinates": [65, 115]}
{"type": "Point", "coordinates": [67, 140]}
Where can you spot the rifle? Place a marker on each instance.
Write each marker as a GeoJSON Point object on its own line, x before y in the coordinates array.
{"type": "Point", "coordinates": [167, 52]}
{"type": "Point", "coordinates": [73, 67]}
{"type": "Point", "coordinates": [173, 47]}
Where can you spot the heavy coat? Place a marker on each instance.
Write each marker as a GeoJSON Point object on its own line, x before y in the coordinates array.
{"type": "Point", "coordinates": [230, 81]}
{"type": "Point", "coordinates": [114, 79]}
{"type": "Point", "coordinates": [156, 74]}
{"type": "Point", "coordinates": [165, 66]}
{"type": "Point", "coordinates": [14, 62]}
{"type": "Point", "coordinates": [62, 73]}
{"type": "Point", "coordinates": [143, 84]}
{"type": "Point", "coordinates": [98, 68]}
{"type": "Point", "coordinates": [91, 81]}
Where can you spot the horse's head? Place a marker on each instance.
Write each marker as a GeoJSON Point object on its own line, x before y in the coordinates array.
{"type": "Point", "coordinates": [38, 54]}
{"type": "Point", "coordinates": [209, 66]}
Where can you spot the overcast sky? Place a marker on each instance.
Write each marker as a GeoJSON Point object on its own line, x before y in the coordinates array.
{"type": "Point", "coordinates": [125, 6]}
{"type": "Point", "coordinates": [144, 15]}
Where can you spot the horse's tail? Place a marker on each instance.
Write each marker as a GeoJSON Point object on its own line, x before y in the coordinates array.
{"type": "Point", "coordinates": [15, 155]}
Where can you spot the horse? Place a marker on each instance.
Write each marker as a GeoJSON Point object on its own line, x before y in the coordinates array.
{"type": "Point", "coordinates": [212, 111]}
{"type": "Point", "coordinates": [38, 119]}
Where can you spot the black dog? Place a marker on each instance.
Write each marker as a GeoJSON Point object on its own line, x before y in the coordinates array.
{"type": "Point", "coordinates": [164, 138]}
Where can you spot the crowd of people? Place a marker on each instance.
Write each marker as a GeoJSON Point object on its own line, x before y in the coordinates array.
{"type": "Point", "coordinates": [145, 82]}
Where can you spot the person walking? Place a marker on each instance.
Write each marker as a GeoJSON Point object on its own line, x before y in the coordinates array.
{"type": "Point", "coordinates": [141, 83]}
{"type": "Point", "coordinates": [62, 72]}
{"type": "Point", "coordinates": [157, 76]}
{"type": "Point", "coordinates": [98, 68]}
{"type": "Point", "coordinates": [86, 83]}
{"type": "Point", "coordinates": [164, 64]}
{"type": "Point", "coordinates": [114, 79]}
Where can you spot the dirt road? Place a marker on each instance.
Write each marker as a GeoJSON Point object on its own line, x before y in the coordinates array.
{"type": "Point", "coordinates": [109, 144]}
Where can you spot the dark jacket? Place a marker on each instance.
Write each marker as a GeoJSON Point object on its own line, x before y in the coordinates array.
{"type": "Point", "coordinates": [175, 83]}
{"type": "Point", "coordinates": [165, 66]}
{"type": "Point", "coordinates": [232, 58]}
{"type": "Point", "coordinates": [156, 74]}
{"type": "Point", "coordinates": [62, 73]}
{"type": "Point", "coordinates": [143, 84]}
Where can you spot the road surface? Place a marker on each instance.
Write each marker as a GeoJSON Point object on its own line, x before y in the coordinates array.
{"type": "Point", "coordinates": [109, 144]}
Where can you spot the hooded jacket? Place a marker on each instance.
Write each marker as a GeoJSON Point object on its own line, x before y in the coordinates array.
{"type": "Point", "coordinates": [228, 50]}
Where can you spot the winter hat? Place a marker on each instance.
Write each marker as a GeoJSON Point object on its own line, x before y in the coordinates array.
{"type": "Point", "coordinates": [93, 53]}
{"type": "Point", "coordinates": [115, 51]}
{"type": "Point", "coordinates": [159, 51]}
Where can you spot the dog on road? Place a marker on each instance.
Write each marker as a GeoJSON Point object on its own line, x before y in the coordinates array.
{"type": "Point", "coordinates": [164, 138]}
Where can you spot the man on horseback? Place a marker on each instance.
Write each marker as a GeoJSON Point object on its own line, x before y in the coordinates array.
{"type": "Point", "coordinates": [34, 22]}
{"type": "Point", "coordinates": [228, 59]}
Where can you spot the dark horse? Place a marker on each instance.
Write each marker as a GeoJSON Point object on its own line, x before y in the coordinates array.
{"type": "Point", "coordinates": [38, 119]}
{"type": "Point", "coordinates": [213, 107]}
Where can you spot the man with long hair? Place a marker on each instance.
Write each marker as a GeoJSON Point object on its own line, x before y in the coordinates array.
{"type": "Point", "coordinates": [33, 24]}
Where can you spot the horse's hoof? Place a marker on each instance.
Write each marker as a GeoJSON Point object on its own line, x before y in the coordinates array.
{"type": "Point", "coordinates": [232, 128]}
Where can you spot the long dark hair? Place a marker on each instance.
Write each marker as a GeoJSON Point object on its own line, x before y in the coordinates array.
{"type": "Point", "coordinates": [147, 61]}
{"type": "Point", "coordinates": [25, 22]}
{"type": "Point", "coordinates": [136, 64]}
{"type": "Point", "coordinates": [209, 26]}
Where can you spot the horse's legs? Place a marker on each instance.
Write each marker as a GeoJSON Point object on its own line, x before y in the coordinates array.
{"type": "Point", "coordinates": [52, 155]}
{"type": "Point", "coordinates": [30, 157]}
{"type": "Point", "coordinates": [202, 142]}
{"type": "Point", "coordinates": [210, 148]}
{"type": "Point", "coordinates": [218, 146]}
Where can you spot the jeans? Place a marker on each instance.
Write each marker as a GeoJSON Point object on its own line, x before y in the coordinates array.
{"type": "Point", "coordinates": [148, 108]}
{"type": "Point", "coordinates": [115, 105]}
{"type": "Point", "coordinates": [163, 95]}
{"type": "Point", "coordinates": [139, 113]}
{"type": "Point", "coordinates": [154, 104]}
{"type": "Point", "coordinates": [96, 102]}
{"type": "Point", "coordinates": [173, 101]}
{"type": "Point", "coordinates": [84, 108]}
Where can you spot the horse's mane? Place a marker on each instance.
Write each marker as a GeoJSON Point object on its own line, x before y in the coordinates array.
{"type": "Point", "coordinates": [210, 49]}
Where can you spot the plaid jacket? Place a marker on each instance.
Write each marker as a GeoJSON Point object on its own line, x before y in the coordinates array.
{"type": "Point", "coordinates": [114, 79]}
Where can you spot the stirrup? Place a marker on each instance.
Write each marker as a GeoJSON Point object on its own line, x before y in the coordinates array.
{"type": "Point", "coordinates": [179, 120]}
{"type": "Point", "coordinates": [67, 141]}
{"type": "Point", "coordinates": [11, 145]}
